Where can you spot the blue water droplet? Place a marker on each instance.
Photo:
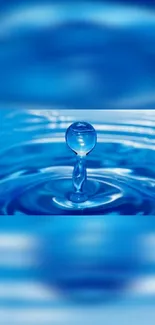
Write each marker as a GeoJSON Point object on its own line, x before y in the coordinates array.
{"type": "Point", "coordinates": [81, 138]}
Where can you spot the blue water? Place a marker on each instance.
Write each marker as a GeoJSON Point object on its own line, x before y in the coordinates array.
{"type": "Point", "coordinates": [79, 55]}
{"type": "Point", "coordinates": [36, 165]}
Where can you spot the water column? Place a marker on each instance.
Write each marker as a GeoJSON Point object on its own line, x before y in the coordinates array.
{"type": "Point", "coordinates": [81, 138]}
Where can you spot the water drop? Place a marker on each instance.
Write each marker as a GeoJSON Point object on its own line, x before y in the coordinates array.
{"type": "Point", "coordinates": [81, 138]}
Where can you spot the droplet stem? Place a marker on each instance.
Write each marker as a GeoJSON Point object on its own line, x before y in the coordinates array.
{"type": "Point", "coordinates": [79, 180]}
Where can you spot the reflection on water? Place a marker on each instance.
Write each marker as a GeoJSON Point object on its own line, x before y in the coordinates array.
{"type": "Point", "coordinates": [36, 165]}
{"type": "Point", "coordinates": [79, 55]}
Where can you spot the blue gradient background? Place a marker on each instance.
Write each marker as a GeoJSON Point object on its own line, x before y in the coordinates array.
{"type": "Point", "coordinates": [37, 251]}
{"type": "Point", "coordinates": [91, 54]}
{"type": "Point", "coordinates": [75, 55]}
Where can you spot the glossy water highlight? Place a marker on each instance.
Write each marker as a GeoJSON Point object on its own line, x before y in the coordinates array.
{"type": "Point", "coordinates": [36, 165]}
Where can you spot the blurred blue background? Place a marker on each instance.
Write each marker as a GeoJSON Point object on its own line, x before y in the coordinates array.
{"type": "Point", "coordinates": [76, 54]}
{"type": "Point", "coordinates": [41, 254]}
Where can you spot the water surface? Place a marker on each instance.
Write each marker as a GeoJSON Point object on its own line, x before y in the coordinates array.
{"type": "Point", "coordinates": [36, 165]}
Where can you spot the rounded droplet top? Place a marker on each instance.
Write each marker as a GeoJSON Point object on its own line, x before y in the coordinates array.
{"type": "Point", "coordinates": [81, 138]}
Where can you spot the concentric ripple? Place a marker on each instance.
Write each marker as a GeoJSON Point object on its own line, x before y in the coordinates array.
{"type": "Point", "coordinates": [36, 165]}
